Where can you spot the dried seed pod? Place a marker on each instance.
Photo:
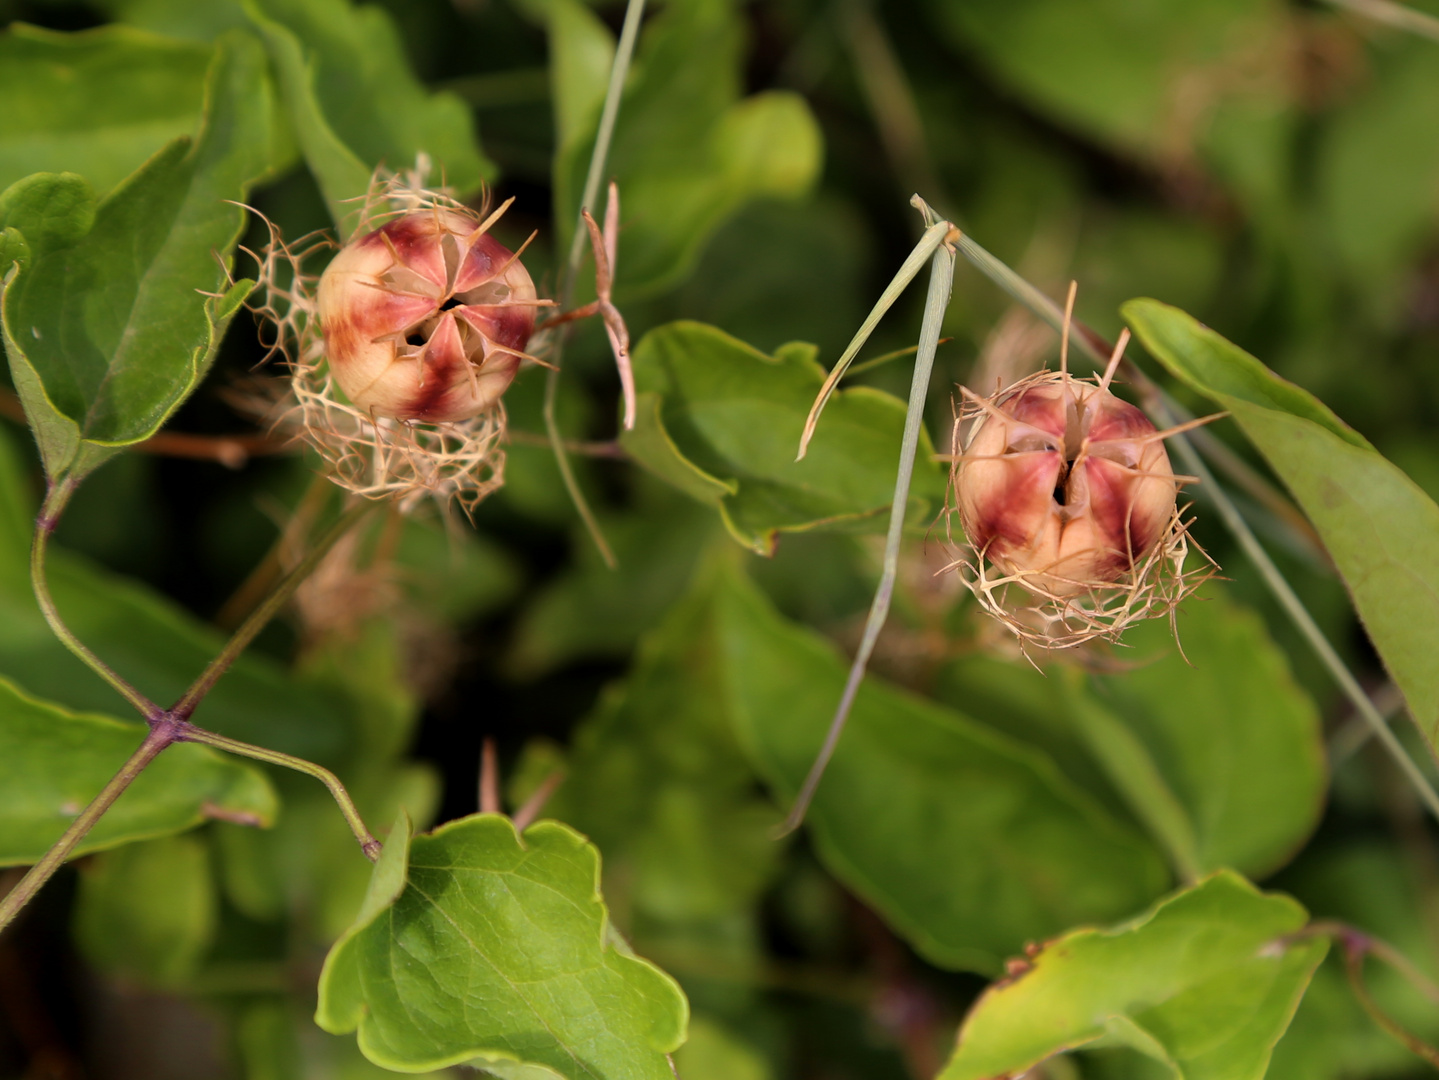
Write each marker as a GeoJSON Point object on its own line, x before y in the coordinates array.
{"type": "Point", "coordinates": [1066, 491]}
{"type": "Point", "coordinates": [399, 353]}
{"type": "Point", "coordinates": [1063, 485]}
{"type": "Point", "coordinates": [426, 318]}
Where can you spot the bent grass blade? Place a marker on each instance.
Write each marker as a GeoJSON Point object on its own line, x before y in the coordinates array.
{"type": "Point", "coordinates": [936, 247]}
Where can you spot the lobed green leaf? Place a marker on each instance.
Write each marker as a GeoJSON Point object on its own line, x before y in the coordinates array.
{"type": "Point", "coordinates": [721, 420]}
{"type": "Point", "coordinates": [1379, 527]}
{"type": "Point", "coordinates": [1204, 983]}
{"type": "Point", "coordinates": [476, 942]}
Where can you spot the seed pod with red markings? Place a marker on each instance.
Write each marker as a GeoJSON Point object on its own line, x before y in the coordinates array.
{"type": "Point", "coordinates": [426, 318]}
{"type": "Point", "coordinates": [1063, 485]}
{"type": "Point", "coordinates": [1066, 492]}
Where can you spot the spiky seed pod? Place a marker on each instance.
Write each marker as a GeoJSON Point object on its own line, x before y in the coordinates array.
{"type": "Point", "coordinates": [399, 354]}
{"type": "Point", "coordinates": [426, 318]}
{"type": "Point", "coordinates": [1063, 485]}
{"type": "Point", "coordinates": [1066, 491]}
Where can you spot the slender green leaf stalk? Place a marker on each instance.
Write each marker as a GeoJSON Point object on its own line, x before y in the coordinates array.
{"type": "Point", "coordinates": [368, 844]}
{"type": "Point", "coordinates": [604, 135]}
{"type": "Point", "coordinates": [885, 358]}
{"type": "Point", "coordinates": [1159, 410]}
{"type": "Point", "coordinates": [266, 610]}
{"type": "Point", "coordinates": [937, 240]}
{"type": "Point", "coordinates": [49, 516]}
{"type": "Point", "coordinates": [1358, 945]}
{"type": "Point", "coordinates": [156, 739]}
{"type": "Point", "coordinates": [567, 472]}
{"type": "Point", "coordinates": [169, 726]}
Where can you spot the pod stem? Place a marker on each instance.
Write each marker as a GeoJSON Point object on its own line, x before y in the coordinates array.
{"type": "Point", "coordinates": [941, 281]}
{"type": "Point", "coordinates": [604, 136]}
{"type": "Point", "coordinates": [368, 844]}
{"type": "Point", "coordinates": [54, 505]}
{"type": "Point", "coordinates": [266, 610]}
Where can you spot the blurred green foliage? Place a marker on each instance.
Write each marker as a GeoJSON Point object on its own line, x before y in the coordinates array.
{"type": "Point", "coordinates": [1271, 169]}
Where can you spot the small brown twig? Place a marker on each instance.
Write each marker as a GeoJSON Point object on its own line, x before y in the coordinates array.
{"type": "Point", "coordinates": [231, 451]}
{"type": "Point", "coordinates": [599, 448]}
{"type": "Point", "coordinates": [525, 816]}
{"type": "Point", "coordinates": [489, 778]}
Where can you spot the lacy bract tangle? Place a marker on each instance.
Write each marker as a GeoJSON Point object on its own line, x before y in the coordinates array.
{"type": "Point", "coordinates": [400, 351]}
{"type": "Point", "coordinates": [1068, 505]}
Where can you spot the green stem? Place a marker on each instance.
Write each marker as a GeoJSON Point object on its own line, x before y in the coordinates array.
{"type": "Point", "coordinates": [368, 844]}
{"type": "Point", "coordinates": [156, 740]}
{"type": "Point", "coordinates": [267, 609]}
{"type": "Point", "coordinates": [567, 472]}
{"type": "Point", "coordinates": [49, 516]}
{"type": "Point", "coordinates": [941, 281]}
{"type": "Point", "coordinates": [271, 568]}
{"type": "Point", "coordinates": [1357, 945]}
{"type": "Point", "coordinates": [604, 135]}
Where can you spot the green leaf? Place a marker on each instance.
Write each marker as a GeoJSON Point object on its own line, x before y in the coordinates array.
{"type": "Point", "coordinates": [728, 424]}
{"type": "Point", "coordinates": [1203, 983]}
{"type": "Point", "coordinates": [106, 325]}
{"type": "Point", "coordinates": [97, 103]}
{"type": "Point", "coordinates": [355, 103]}
{"type": "Point", "coordinates": [1228, 763]}
{"type": "Point", "coordinates": [513, 1070]}
{"type": "Point", "coordinates": [968, 842]}
{"type": "Point", "coordinates": [496, 945]}
{"type": "Point", "coordinates": [147, 911]}
{"type": "Point", "coordinates": [1379, 527]}
{"type": "Point", "coordinates": [687, 150]}
{"type": "Point", "coordinates": [54, 761]}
